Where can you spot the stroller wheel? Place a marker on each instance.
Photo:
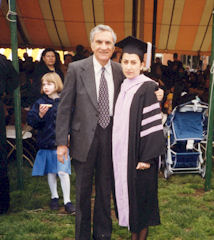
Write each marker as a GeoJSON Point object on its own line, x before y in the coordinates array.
{"type": "Point", "coordinates": [203, 171]}
{"type": "Point", "coordinates": [162, 164]}
{"type": "Point", "coordinates": [166, 173]}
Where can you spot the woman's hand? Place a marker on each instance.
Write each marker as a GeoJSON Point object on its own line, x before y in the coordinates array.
{"type": "Point", "coordinates": [142, 166]}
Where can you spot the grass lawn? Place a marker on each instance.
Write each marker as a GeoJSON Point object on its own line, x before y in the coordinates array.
{"type": "Point", "coordinates": [187, 212]}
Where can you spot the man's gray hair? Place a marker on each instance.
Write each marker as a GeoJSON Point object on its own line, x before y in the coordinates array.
{"type": "Point", "coordinates": [101, 28]}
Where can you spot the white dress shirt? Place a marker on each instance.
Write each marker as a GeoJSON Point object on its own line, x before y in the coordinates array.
{"type": "Point", "coordinates": [109, 78]}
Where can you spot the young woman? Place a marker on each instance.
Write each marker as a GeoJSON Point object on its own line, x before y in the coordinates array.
{"type": "Point", "coordinates": [137, 143]}
{"type": "Point", "coordinates": [42, 117]}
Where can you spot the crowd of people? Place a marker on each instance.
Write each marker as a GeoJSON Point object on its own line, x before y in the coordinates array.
{"type": "Point", "coordinates": [31, 72]}
{"type": "Point", "coordinates": [111, 115]}
{"type": "Point", "coordinates": [180, 85]}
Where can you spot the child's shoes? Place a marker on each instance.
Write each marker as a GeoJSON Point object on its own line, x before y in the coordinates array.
{"type": "Point", "coordinates": [70, 208]}
{"type": "Point", "coordinates": [54, 204]}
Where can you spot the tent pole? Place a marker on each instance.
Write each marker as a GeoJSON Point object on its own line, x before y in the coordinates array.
{"type": "Point", "coordinates": [154, 30]}
{"type": "Point", "coordinates": [16, 95]}
{"type": "Point", "coordinates": [134, 18]}
{"type": "Point", "coordinates": [210, 118]}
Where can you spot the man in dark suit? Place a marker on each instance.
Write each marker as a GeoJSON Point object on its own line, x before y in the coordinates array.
{"type": "Point", "coordinates": [85, 110]}
{"type": "Point", "coordinates": [90, 140]}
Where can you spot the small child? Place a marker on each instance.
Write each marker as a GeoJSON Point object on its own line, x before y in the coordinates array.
{"type": "Point", "coordinates": [42, 117]}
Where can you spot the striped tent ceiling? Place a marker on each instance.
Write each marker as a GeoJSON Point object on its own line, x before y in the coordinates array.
{"type": "Point", "coordinates": [183, 26]}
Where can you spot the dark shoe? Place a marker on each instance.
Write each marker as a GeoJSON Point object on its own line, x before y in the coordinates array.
{"type": "Point", "coordinates": [70, 208]}
{"type": "Point", "coordinates": [54, 204]}
{"type": "Point", "coordinates": [102, 236]}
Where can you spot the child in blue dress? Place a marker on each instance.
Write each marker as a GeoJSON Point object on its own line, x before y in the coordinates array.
{"type": "Point", "coordinates": [42, 117]}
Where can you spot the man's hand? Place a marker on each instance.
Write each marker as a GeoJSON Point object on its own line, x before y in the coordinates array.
{"type": "Point", "coordinates": [62, 152]}
{"type": "Point", "coordinates": [159, 94]}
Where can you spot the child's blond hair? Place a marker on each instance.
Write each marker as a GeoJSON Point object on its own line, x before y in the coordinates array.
{"type": "Point", "coordinates": [54, 78]}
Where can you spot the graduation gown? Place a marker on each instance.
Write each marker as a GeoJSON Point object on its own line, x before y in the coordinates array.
{"type": "Point", "coordinates": [142, 127]}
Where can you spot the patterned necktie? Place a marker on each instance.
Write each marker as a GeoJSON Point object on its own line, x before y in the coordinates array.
{"type": "Point", "coordinates": [103, 102]}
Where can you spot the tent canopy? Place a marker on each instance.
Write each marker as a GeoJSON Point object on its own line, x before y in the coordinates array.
{"type": "Point", "coordinates": [183, 26]}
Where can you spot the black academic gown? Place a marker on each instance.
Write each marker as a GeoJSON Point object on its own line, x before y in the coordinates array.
{"type": "Point", "coordinates": [143, 184]}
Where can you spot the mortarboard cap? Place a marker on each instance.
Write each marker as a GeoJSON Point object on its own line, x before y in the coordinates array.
{"type": "Point", "coordinates": [133, 45]}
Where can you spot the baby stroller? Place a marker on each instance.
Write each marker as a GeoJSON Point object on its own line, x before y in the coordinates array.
{"type": "Point", "coordinates": [186, 139]}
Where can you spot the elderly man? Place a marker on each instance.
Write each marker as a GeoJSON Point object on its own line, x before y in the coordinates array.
{"type": "Point", "coordinates": [85, 111]}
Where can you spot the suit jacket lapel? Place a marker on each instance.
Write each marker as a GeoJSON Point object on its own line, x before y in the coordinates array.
{"type": "Point", "coordinates": [88, 79]}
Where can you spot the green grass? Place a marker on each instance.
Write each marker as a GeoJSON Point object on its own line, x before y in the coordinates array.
{"type": "Point", "coordinates": [187, 212]}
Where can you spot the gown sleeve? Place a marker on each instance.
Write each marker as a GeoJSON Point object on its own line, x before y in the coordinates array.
{"type": "Point", "coordinates": [151, 138]}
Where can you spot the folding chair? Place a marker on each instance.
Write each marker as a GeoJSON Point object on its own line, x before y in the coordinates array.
{"type": "Point", "coordinates": [29, 148]}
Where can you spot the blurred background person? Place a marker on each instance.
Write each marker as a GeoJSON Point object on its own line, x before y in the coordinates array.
{"type": "Point", "coordinates": [8, 82]}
